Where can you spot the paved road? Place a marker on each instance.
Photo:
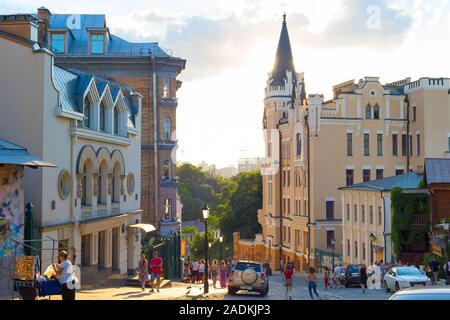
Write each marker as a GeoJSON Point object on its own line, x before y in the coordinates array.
{"type": "Point", "coordinates": [300, 291]}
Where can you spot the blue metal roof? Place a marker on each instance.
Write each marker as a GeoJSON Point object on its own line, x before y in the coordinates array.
{"type": "Point", "coordinates": [405, 181]}
{"type": "Point", "coordinates": [437, 171]}
{"type": "Point", "coordinates": [79, 26]}
{"type": "Point", "coordinates": [11, 153]}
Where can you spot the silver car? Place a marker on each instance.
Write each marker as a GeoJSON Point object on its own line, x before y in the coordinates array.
{"type": "Point", "coordinates": [399, 278]}
{"type": "Point", "coordinates": [424, 293]}
{"type": "Point", "coordinates": [249, 276]}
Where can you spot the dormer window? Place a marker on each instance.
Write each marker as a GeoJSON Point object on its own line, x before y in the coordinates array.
{"type": "Point", "coordinates": [102, 119]}
{"type": "Point", "coordinates": [97, 43]}
{"type": "Point", "coordinates": [166, 88]}
{"type": "Point", "coordinates": [87, 113]}
{"type": "Point", "coordinates": [58, 42]}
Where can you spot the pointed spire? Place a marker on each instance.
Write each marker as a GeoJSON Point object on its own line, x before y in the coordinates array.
{"type": "Point", "coordinates": [284, 61]}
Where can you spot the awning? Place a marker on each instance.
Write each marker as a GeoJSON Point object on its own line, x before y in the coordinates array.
{"type": "Point", "coordinates": [143, 226]}
{"type": "Point", "coordinates": [29, 161]}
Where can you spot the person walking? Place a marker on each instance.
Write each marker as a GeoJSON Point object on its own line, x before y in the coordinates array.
{"type": "Point", "coordinates": [223, 275]}
{"type": "Point", "coordinates": [288, 273]}
{"type": "Point", "coordinates": [142, 270]}
{"type": "Point", "coordinates": [195, 271]}
{"type": "Point", "coordinates": [434, 264]}
{"type": "Point", "coordinates": [363, 277]}
{"type": "Point", "coordinates": [228, 266]}
{"type": "Point", "coordinates": [312, 285]}
{"type": "Point", "coordinates": [215, 272]}
{"type": "Point", "coordinates": [156, 264]}
{"type": "Point", "coordinates": [201, 271]}
{"type": "Point", "coordinates": [337, 277]}
{"type": "Point", "coordinates": [66, 276]}
{"type": "Point", "coordinates": [326, 278]}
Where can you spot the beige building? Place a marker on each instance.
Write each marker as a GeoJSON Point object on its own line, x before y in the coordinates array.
{"type": "Point", "coordinates": [250, 164]}
{"type": "Point", "coordinates": [367, 131]}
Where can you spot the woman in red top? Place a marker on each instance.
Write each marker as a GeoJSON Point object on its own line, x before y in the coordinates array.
{"type": "Point", "coordinates": [288, 273]}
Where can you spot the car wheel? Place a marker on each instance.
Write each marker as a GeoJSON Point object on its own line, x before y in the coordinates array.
{"type": "Point", "coordinates": [386, 288]}
{"type": "Point", "coordinates": [232, 291]}
{"type": "Point", "coordinates": [397, 287]}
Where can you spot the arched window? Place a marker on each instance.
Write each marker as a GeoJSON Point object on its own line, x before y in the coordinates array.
{"type": "Point", "coordinates": [116, 121]}
{"type": "Point", "coordinates": [102, 183]}
{"type": "Point", "coordinates": [99, 186]}
{"type": "Point", "coordinates": [84, 186]}
{"type": "Point", "coordinates": [116, 183]}
{"type": "Point", "coordinates": [166, 129]}
{"type": "Point", "coordinates": [102, 119]}
{"type": "Point", "coordinates": [166, 173]}
{"type": "Point", "coordinates": [87, 113]}
{"type": "Point", "coordinates": [376, 112]}
{"type": "Point", "coordinates": [87, 184]}
{"type": "Point", "coordinates": [368, 112]}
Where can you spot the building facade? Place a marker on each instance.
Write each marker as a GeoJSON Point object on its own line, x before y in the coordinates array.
{"type": "Point", "coordinates": [89, 127]}
{"type": "Point", "coordinates": [85, 42]}
{"type": "Point", "coordinates": [367, 131]}
{"type": "Point", "coordinates": [250, 164]}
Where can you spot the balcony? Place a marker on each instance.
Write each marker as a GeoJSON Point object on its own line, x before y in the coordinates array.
{"type": "Point", "coordinates": [168, 182]}
{"type": "Point", "coordinates": [419, 220]}
{"type": "Point", "coordinates": [115, 208]}
{"type": "Point", "coordinates": [102, 210]}
{"type": "Point", "coordinates": [86, 212]}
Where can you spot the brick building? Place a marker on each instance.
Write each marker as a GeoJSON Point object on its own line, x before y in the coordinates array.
{"type": "Point", "coordinates": [85, 42]}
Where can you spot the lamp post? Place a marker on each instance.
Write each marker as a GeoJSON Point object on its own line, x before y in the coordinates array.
{"type": "Point", "coordinates": [221, 247]}
{"type": "Point", "coordinates": [205, 211]}
{"type": "Point", "coordinates": [372, 238]}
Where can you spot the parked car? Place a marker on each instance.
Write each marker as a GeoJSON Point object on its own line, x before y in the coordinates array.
{"type": "Point", "coordinates": [422, 293]}
{"type": "Point", "coordinates": [268, 269]}
{"type": "Point", "coordinates": [249, 276]}
{"type": "Point", "coordinates": [399, 278]}
{"type": "Point", "coordinates": [351, 276]}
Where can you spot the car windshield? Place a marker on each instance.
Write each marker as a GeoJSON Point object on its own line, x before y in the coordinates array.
{"type": "Point", "coordinates": [423, 297]}
{"type": "Point", "coordinates": [353, 269]}
{"type": "Point", "coordinates": [243, 266]}
{"type": "Point", "coordinates": [409, 272]}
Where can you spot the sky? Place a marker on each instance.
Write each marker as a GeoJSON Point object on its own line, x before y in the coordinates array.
{"type": "Point", "coordinates": [230, 48]}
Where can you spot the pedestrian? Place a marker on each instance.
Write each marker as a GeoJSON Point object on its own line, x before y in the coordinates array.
{"type": "Point", "coordinates": [223, 275]}
{"type": "Point", "coordinates": [312, 285]}
{"type": "Point", "coordinates": [215, 272]}
{"type": "Point", "coordinates": [142, 270]}
{"type": "Point", "coordinates": [288, 273]}
{"type": "Point", "coordinates": [228, 267]}
{"type": "Point", "coordinates": [363, 277]}
{"type": "Point", "coordinates": [201, 271]}
{"type": "Point", "coordinates": [195, 271]}
{"type": "Point", "coordinates": [66, 276]}
{"type": "Point", "coordinates": [434, 268]}
{"type": "Point", "coordinates": [156, 264]}
{"type": "Point", "coordinates": [447, 273]}
{"type": "Point", "coordinates": [326, 278]}
{"type": "Point", "coordinates": [337, 276]}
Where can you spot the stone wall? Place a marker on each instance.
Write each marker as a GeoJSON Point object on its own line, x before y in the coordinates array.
{"type": "Point", "coordinates": [7, 267]}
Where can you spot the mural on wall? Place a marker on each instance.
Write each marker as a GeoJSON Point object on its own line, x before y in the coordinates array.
{"type": "Point", "coordinates": [11, 208]}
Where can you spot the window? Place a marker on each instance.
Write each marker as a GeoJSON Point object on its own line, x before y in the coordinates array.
{"type": "Point", "coordinates": [363, 214]}
{"type": "Point", "coordinates": [356, 249]}
{"type": "Point", "coordinates": [355, 213]}
{"type": "Point", "coordinates": [376, 112]}
{"type": "Point", "coordinates": [288, 206]}
{"type": "Point", "coordinates": [166, 173]}
{"type": "Point", "coordinates": [349, 144]}
{"type": "Point", "coordinates": [395, 145]}
{"type": "Point", "coordinates": [399, 172]}
{"type": "Point", "coordinates": [102, 119]}
{"type": "Point", "coordinates": [330, 238]}
{"type": "Point", "coordinates": [379, 216]}
{"type": "Point", "coordinates": [410, 145]}
{"type": "Point", "coordinates": [330, 210]}
{"type": "Point", "coordinates": [364, 251]}
{"type": "Point", "coordinates": [99, 188]}
{"type": "Point", "coordinates": [348, 212]}
{"type": "Point", "coordinates": [288, 178]}
{"type": "Point", "coordinates": [371, 215]}
{"type": "Point", "coordinates": [306, 208]}
{"type": "Point", "coordinates": [58, 42]}
{"type": "Point", "coordinates": [368, 112]}
{"type": "Point", "coordinates": [84, 187]}
{"type": "Point", "coordinates": [404, 144]}
{"type": "Point", "coordinates": [289, 235]}
{"type": "Point", "coordinates": [166, 129]}
{"type": "Point", "coordinates": [348, 247]}
{"type": "Point", "coordinates": [116, 121]}
{"type": "Point", "coordinates": [299, 144]}
{"type": "Point", "coordinates": [380, 174]}
{"type": "Point", "coordinates": [414, 118]}
{"type": "Point", "coordinates": [349, 177]}
{"type": "Point", "coordinates": [166, 88]}
{"type": "Point", "coordinates": [380, 144]}
{"type": "Point", "coordinates": [366, 175]}
{"type": "Point", "coordinates": [168, 209]}
{"type": "Point", "coordinates": [366, 144]}
{"type": "Point", "coordinates": [97, 43]}
{"type": "Point", "coordinates": [418, 144]}
{"type": "Point", "coordinates": [87, 113]}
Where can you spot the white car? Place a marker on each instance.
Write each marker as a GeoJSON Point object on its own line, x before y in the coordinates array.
{"type": "Point", "coordinates": [399, 278]}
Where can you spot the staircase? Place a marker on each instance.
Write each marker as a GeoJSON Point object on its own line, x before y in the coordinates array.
{"type": "Point", "coordinates": [133, 281]}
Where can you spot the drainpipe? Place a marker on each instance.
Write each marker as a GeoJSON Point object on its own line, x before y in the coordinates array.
{"type": "Point", "coordinates": [309, 187]}
{"type": "Point", "coordinates": [155, 137]}
{"type": "Point", "coordinates": [384, 227]}
{"type": "Point", "coordinates": [408, 143]}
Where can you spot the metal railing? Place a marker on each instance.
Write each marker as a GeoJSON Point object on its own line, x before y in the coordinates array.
{"type": "Point", "coordinates": [115, 51]}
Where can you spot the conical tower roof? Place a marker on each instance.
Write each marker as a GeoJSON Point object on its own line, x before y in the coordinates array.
{"type": "Point", "coordinates": [284, 61]}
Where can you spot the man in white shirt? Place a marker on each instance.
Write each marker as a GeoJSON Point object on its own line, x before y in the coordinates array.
{"type": "Point", "coordinates": [194, 271]}
{"type": "Point", "coordinates": [66, 277]}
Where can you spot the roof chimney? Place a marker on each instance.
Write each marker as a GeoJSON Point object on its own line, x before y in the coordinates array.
{"type": "Point", "coordinates": [44, 23]}
{"type": "Point", "coordinates": [24, 26]}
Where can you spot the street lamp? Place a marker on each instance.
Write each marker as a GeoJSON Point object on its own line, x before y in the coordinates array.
{"type": "Point", "coordinates": [205, 211]}
{"type": "Point", "coordinates": [221, 247]}
{"type": "Point", "coordinates": [372, 238]}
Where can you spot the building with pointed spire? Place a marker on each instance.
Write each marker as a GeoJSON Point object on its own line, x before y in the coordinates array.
{"type": "Point", "coordinates": [367, 131]}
